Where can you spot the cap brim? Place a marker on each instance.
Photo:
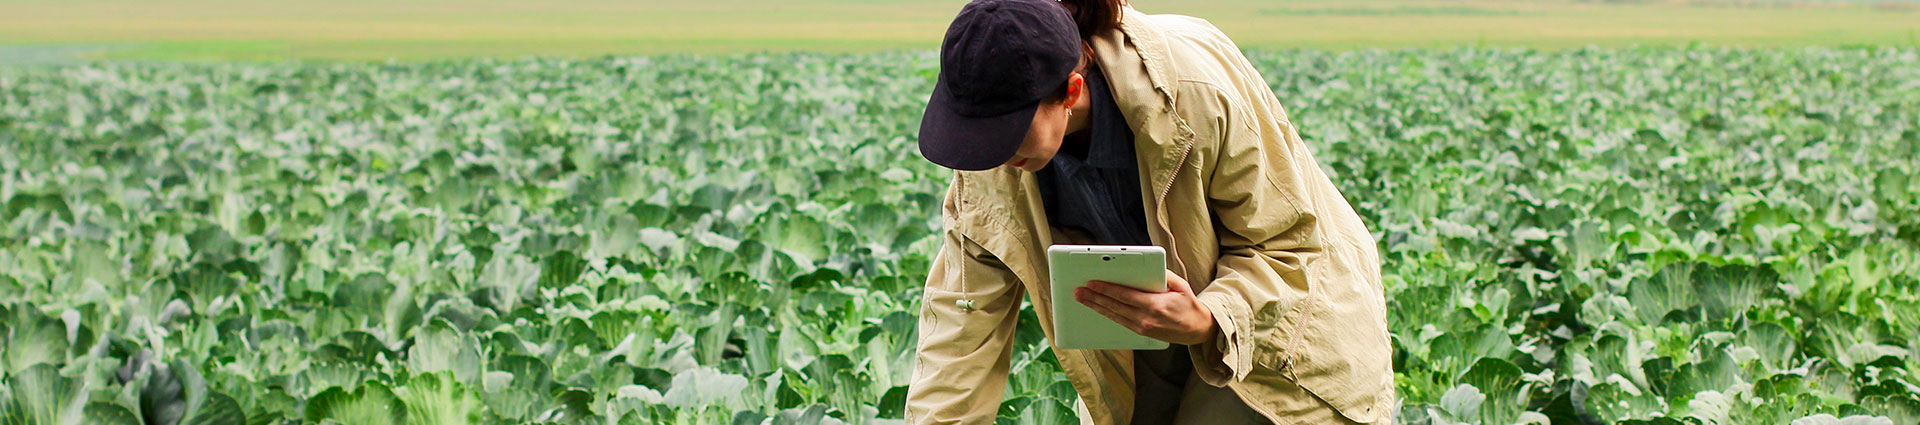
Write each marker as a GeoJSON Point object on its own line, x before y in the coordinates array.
{"type": "Point", "coordinates": [970, 143]}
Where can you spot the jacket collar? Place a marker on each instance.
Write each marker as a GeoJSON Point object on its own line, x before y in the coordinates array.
{"type": "Point", "coordinates": [1139, 69]}
{"type": "Point", "coordinates": [1148, 45]}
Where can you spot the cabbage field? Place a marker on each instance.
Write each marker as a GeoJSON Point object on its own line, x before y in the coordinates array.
{"type": "Point", "coordinates": [1687, 235]}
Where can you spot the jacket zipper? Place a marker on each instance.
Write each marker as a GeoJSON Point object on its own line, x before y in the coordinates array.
{"type": "Point", "coordinates": [1160, 202]}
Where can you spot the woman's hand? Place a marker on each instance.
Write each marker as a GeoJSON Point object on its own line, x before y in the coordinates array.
{"type": "Point", "coordinates": [1175, 316]}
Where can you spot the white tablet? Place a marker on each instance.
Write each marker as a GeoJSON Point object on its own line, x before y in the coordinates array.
{"type": "Point", "coordinates": [1077, 327]}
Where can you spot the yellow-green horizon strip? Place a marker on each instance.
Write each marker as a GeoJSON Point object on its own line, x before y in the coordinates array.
{"type": "Point", "coordinates": [445, 29]}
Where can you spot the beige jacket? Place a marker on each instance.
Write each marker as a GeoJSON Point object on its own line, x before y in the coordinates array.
{"type": "Point", "coordinates": [1244, 212]}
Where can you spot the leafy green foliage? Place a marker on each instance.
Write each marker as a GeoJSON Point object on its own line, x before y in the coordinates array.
{"type": "Point", "coordinates": [1620, 236]}
{"type": "Point", "coordinates": [1640, 235]}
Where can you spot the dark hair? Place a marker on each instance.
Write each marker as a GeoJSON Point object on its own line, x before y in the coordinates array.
{"type": "Point", "coordinates": [1093, 17]}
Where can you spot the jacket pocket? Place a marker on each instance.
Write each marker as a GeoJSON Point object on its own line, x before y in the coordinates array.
{"type": "Point", "coordinates": [960, 317]}
{"type": "Point", "coordinates": [1336, 349]}
{"type": "Point", "coordinates": [967, 303]}
{"type": "Point", "coordinates": [1279, 338]}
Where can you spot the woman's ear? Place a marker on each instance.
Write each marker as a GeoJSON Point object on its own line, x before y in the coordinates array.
{"type": "Point", "coordinates": [1076, 90]}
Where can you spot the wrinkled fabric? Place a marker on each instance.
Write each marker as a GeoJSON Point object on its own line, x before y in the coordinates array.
{"type": "Point", "coordinates": [1288, 270]}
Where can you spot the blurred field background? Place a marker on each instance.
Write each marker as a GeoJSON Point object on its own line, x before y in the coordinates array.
{"type": "Point", "coordinates": [223, 30]}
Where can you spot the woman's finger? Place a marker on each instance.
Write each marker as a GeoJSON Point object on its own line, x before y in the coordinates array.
{"type": "Point", "coordinates": [1175, 283]}
{"type": "Point", "coordinates": [1122, 293]}
{"type": "Point", "coordinates": [1093, 297]}
{"type": "Point", "coordinates": [1103, 307]}
{"type": "Point", "coordinates": [1099, 301]}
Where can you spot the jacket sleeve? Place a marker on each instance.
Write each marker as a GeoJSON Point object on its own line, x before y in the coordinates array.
{"type": "Point", "coordinates": [1267, 236]}
{"type": "Point", "coordinates": [967, 319]}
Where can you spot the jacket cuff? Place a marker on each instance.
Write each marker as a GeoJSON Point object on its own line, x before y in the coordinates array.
{"type": "Point", "coordinates": [1228, 357]}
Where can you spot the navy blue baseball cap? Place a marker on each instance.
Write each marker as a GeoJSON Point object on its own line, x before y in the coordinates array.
{"type": "Point", "coordinates": [1000, 58]}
